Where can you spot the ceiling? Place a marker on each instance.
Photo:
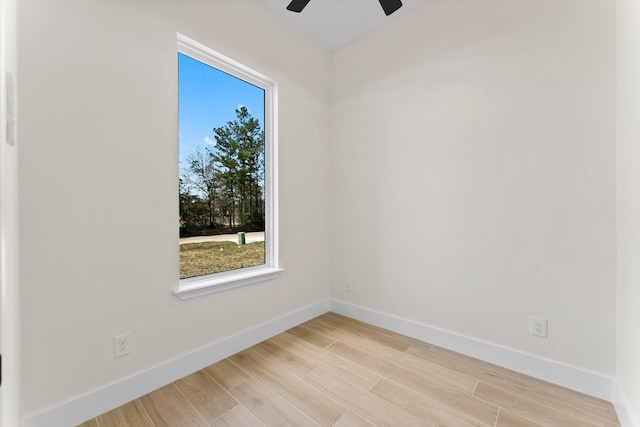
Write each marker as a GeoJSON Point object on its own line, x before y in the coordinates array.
{"type": "Point", "coordinates": [336, 23]}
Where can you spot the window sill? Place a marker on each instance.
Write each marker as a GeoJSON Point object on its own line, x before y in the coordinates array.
{"type": "Point", "coordinates": [205, 285]}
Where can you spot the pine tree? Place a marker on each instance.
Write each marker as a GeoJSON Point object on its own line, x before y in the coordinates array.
{"type": "Point", "coordinates": [240, 158]}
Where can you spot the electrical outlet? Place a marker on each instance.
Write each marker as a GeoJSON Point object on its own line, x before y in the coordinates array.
{"type": "Point", "coordinates": [539, 326]}
{"type": "Point", "coordinates": [347, 285]}
{"type": "Point", "coordinates": [121, 345]}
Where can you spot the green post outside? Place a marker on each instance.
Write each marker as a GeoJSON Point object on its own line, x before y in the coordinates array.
{"type": "Point", "coordinates": [241, 240]}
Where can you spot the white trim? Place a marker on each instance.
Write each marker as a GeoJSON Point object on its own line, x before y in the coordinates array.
{"type": "Point", "coordinates": [82, 408]}
{"type": "Point", "coordinates": [209, 56]}
{"type": "Point", "coordinates": [548, 370]}
{"type": "Point", "coordinates": [198, 286]}
{"type": "Point", "coordinates": [625, 413]}
{"type": "Point", "coordinates": [211, 283]}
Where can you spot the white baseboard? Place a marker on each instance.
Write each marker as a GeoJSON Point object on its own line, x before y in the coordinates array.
{"type": "Point", "coordinates": [625, 413]}
{"type": "Point", "coordinates": [84, 407]}
{"type": "Point", "coordinates": [548, 370]}
{"type": "Point", "coordinates": [94, 403]}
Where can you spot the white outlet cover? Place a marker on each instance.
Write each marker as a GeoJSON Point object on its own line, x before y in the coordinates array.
{"type": "Point", "coordinates": [538, 326]}
{"type": "Point", "coordinates": [121, 345]}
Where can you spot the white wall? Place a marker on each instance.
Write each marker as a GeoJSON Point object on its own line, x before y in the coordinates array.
{"type": "Point", "coordinates": [628, 110]}
{"type": "Point", "coordinates": [473, 173]}
{"type": "Point", "coordinates": [470, 180]}
{"type": "Point", "coordinates": [98, 184]}
{"type": "Point", "coordinates": [9, 290]}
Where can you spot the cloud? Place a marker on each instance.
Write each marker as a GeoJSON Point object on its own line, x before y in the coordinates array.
{"type": "Point", "coordinates": [209, 141]}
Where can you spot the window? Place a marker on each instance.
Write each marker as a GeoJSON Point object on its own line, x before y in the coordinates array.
{"type": "Point", "coordinates": [227, 172]}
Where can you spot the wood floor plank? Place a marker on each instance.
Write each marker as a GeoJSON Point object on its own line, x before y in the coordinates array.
{"type": "Point", "coordinates": [316, 405]}
{"type": "Point", "coordinates": [376, 329]}
{"type": "Point", "coordinates": [352, 372]}
{"type": "Point", "coordinates": [380, 335]}
{"type": "Point", "coordinates": [90, 423]}
{"type": "Point", "coordinates": [423, 407]}
{"type": "Point", "coordinates": [569, 401]}
{"type": "Point", "coordinates": [351, 419]}
{"type": "Point", "coordinates": [509, 419]}
{"type": "Point", "coordinates": [528, 409]}
{"type": "Point", "coordinates": [419, 347]}
{"type": "Point", "coordinates": [319, 327]}
{"type": "Point", "coordinates": [167, 407]}
{"type": "Point", "coordinates": [310, 336]}
{"type": "Point", "coordinates": [268, 407]}
{"type": "Point", "coordinates": [367, 405]}
{"type": "Point", "coordinates": [416, 365]}
{"type": "Point", "coordinates": [482, 411]}
{"type": "Point", "coordinates": [284, 358]}
{"type": "Point", "coordinates": [209, 399]}
{"type": "Point", "coordinates": [238, 416]}
{"type": "Point", "coordinates": [226, 373]}
{"type": "Point", "coordinates": [131, 414]}
{"type": "Point", "coordinates": [386, 363]}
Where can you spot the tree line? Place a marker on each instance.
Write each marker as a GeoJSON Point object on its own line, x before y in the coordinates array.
{"type": "Point", "coordinates": [222, 186]}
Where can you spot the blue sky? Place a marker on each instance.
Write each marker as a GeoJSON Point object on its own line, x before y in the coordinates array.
{"type": "Point", "coordinates": [208, 98]}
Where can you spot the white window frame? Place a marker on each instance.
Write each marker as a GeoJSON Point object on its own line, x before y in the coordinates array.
{"type": "Point", "coordinates": [203, 285]}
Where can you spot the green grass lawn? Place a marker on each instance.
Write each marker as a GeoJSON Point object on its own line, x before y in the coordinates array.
{"type": "Point", "coordinates": [197, 259]}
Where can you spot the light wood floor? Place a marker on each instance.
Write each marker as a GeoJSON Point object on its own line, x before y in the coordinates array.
{"type": "Point", "coordinates": [334, 371]}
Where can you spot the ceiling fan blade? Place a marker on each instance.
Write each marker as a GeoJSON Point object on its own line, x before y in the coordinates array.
{"type": "Point", "coordinates": [389, 6]}
{"type": "Point", "coordinates": [297, 5]}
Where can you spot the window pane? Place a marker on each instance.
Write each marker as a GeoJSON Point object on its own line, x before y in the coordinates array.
{"type": "Point", "coordinates": [222, 170]}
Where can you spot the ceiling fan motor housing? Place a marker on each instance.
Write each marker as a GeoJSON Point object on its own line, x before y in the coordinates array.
{"type": "Point", "coordinates": [389, 6]}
